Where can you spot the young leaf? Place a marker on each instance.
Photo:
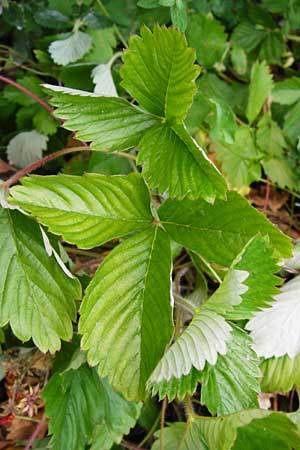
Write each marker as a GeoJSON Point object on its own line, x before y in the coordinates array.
{"type": "Point", "coordinates": [280, 374]}
{"type": "Point", "coordinates": [208, 37]}
{"type": "Point", "coordinates": [231, 385]}
{"type": "Point", "coordinates": [275, 330]}
{"type": "Point", "coordinates": [36, 297]}
{"type": "Point", "coordinates": [103, 80]}
{"type": "Point", "coordinates": [287, 92]}
{"type": "Point", "coordinates": [225, 126]}
{"type": "Point", "coordinates": [261, 85]}
{"type": "Point", "coordinates": [271, 430]}
{"type": "Point", "coordinates": [176, 387]}
{"type": "Point", "coordinates": [159, 72]}
{"type": "Point", "coordinates": [86, 210]}
{"type": "Point", "coordinates": [65, 51]}
{"type": "Point", "coordinates": [83, 409]}
{"type": "Point", "coordinates": [110, 123]}
{"type": "Point", "coordinates": [26, 148]}
{"type": "Point", "coordinates": [216, 231]}
{"type": "Point", "coordinates": [126, 315]}
{"type": "Point", "coordinates": [258, 261]}
{"type": "Point", "coordinates": [173, 162]}
{"type": "Point", "coordinates": [240, 159]}
{"type": "Point", "coordinates": [44, 122]}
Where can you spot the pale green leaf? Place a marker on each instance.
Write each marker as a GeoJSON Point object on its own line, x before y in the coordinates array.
{"type": "Point", "coordinates": [240, 159]}
{"type": "Point", "coordinates": [207, 35]}
{"type": "Point", "coordinates": [126, 315]}
{"type": "Point", "coordinates": [281, 172]}
{"type": "Point", "coordinates": [83, 409]}
{"type": "Point", "coordinates": [179, 15]}
{"type": "Point", "coordinates": [280, 374]}
{"type": "Point", "coordinates": [291, 123]}
{"type": "Point", "coordinates": [239, 59]}
{"type": "Point", "coordinates": [216, 231]}
{"type": "Point", "coordinates": [65, 51]}
{"type": "Point", "coordinates": [269, 137]}
{"type": "Point", "coordinates": [26, 148]}
{"type": "Point", "coordinates": [257, 259]}
{"type": "Point", "coordinates": [173, 162]}
{"type": "Point", "coordinates": [261, 85]}
{"type": "Point", "coordinates": [224, 127]}
{"type": "Point", "coordinates": [109, 123]}
{"type": "Point", "coordinates": [36, 297]}
{"type": "Point", "coordinates": [176, 387]}
{"type": "Point", "coordinates": [231, 385]}
{"type": "Point", "coordinates": [270, 430]}
{"type": "Point", "coordinates": [103, 80]}
{"type": "Point", "coordinates": [287, 92]}
{"type": "Point", "coordinates": [281, 322]}
{"type": "Point", "coordinates": [159, 72]}
{"type": "Point", "coordinates": [86, 210]}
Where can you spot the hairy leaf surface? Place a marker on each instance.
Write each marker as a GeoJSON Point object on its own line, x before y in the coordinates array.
{"type": "Point", "coordinates": [280, 374]}
{"type": "Point", "coordinates": [126, 315]}
{"type": "Point", "coordinates": [86, 210]}
{"type": "Point", "coordinates": [36, 296]}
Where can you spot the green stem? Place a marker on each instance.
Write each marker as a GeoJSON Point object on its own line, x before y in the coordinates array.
{"type": "Point", "coordinates": [293, 37]}
{"type": "Point", "coordinates": [115, 27]}
{"type": "Point", "coordinates": [151, 431]}
{"type": "Point", "coordinates": [188, 407]}
{"type": "Point", "coordinates": [210, 268]}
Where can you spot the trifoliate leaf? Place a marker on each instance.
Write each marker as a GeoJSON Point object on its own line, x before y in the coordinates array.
{"type": "Point", "coordinates": [208, 37]}
{"type": "Point", "coordinates": [280, 374]}
{"type": "Point", "coordinates": [86, 210]}
{"type": "Point", "coordinates": [216, 231]}
{"type": "Point", "coordinates": [257, 259]}
{"type": "Point", "coordinates": [65, 51]}
{"type": "Point", "coordinates": [261, 85]}
{"type": "Point", "coordinates": [103, 80]}
{"type": "Point", "coordinates": [275, 331]}
{"type": "Point", "coordinates": [247, 36]}
{"type": "Point", "coordinates": [287, 92]}
{"type": "Point", "coordinates": [37, 298]}
{"type": "Point", "coordinates": [231, 385]}
{"type": "Point", "coordinates": [26, 148]}
{"type": "Point", "coordinates": [159, 72]}
{"type": "Point", "coordinates": [126, 314]}
{"type": "Point", "coordinates": [240, 159]}
{"type": "Point", "coordinates": [83, 409]}
{"type": "Point", "coordinates": [110, 123]}
{"type": "Point", "coordinates": [225, 126]}
{"type": "Point", "coordinates": [238, 431]}
{"type": "Point", "coordinates": [176, 387]}
{"type": "Point", "coordinates": [173, 162]}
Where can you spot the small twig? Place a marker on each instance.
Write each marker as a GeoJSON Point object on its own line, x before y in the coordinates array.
{"type": "Point", "coordinates": [87, 264]}
{"type": "Point", "coordinates": [21, 173]}
{"type": "Point", "coordinates": [125, 155]}
{"type": "Point", "coordinates": [151, 431]}
{"type": "Point", "coordinates": [130, 446]}
{"type": "Point", "coordinates": [188, 407]}
{"type": "Point", "coordinates": [162, 423]}
{"type": "Point", "coordinates": [35, 432]}
{"type": "Point", "coordinates": [267, 196]}
{"type": "Point", "coordinates": [27, 92]}
{"type": "Point", "coordinates": [79, 251]}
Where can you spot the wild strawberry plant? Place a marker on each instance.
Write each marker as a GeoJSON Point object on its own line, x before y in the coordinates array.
{"type": "Point", "coordinates": [134, 333]}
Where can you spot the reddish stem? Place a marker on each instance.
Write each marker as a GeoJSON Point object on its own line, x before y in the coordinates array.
{"type": "Point", "coordinates": [35, 433]}
{"type": "Point", "coordinates": [27, 92]}
{"type": "Point", "coordinates": [267, 196]}
{"type": "Point", "coordinates": [40, 162]}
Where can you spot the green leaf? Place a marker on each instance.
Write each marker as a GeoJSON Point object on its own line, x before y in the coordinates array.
{"type": "Point", "coordinates": [272, 48]}
{"type": "Point", "coordinates": [26, 148]}
{"type": "Point", "coordinates": [84, 409]}
{"type": "Point", "coordinates": [281, 172]}
{"type": "Point", "coordinates": [269, 430]}
{"type": "Point", "coordinates": [30, 83]}
{"type": "Point", "coordinates": [50, 18]}
{"type": "Point", "coordinates": [103, 80]}
{"type": "Point", "coordinates": [86, 210]}
{"type": "Point", "coordinates": [179, 15]}
{"type": "Point", "coordinates": [108, 164]}
{"type": "Point", "coordinates": [239, 59]}
{"type": "Point", "coordinates": [291, 123]}
{"type": "Point", "coordinates": [280, 321]}
{"type": "Point", "coordinates": [159, 72]}
{"type": "Point", "coordinates": [103, 43]}
{"type": "Point", "coordinates": [120, 311]}
{"type": "Point", "coordinates": [173, 162]}
{"type": "Point", "coordinates": [247, 36]}
{"type": "Point", "coordinates": [269, 137]}
{"type": "Point", "coordinates": [110, 123]}
{"type": "Point", "coordinates": [280, 374]}
{"type": "Point", "coordinates": [225, 126]}
{"type": "Point", "coordinates": [65, 51]}
{"type": "Point", "coordinates": [176, 387]}
{"type": "Point", "coordinates": [45, 123]}
{"type": "Point", "coordinates": [208, 37]}
{"type": "Point", "coordinates": [287, 92]}
{"type": "Point", "coordinates": [261, 85]}
{"type": "Point", "coordinates": [240, 159]}
{"type": "Point", "coordinates": [216, 231]}
{"type": "Point", "coordinates": [231, 385]}
{"type": "Point", "coordinates": [37, 298]}
{"type": "Point", "coordinates": [257, 259]}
